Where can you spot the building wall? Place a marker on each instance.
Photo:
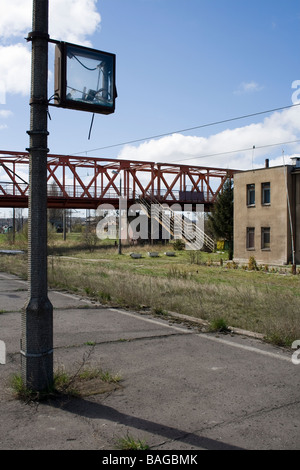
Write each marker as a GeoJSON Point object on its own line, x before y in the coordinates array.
{"type": "Point", "coordinates": [296, 213]}
{"type": "Point", "coordinates": [273, 216]}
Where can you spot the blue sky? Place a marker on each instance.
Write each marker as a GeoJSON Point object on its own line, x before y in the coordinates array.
{"type": "Point", "coordinates": [180, 64]}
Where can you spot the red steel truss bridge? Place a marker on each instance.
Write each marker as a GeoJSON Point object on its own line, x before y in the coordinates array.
{"type": "Point", "coordinates": [86, 182]}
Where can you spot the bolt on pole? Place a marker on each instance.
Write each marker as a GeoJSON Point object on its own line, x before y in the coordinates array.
{"type": "Point", "coordinates": [37, 315]}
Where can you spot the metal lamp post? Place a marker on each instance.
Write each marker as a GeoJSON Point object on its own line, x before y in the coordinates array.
{"type": "Point", "coordinates": [37, 316]}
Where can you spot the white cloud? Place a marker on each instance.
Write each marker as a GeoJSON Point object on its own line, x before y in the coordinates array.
{"type": "Point", "coordinates": [69, 20]}
{"type": "Point", "coordinates": [73, 20]}
{"type": "Point", "coordinates": [15, 18]}
{"type": "Point", "coordinates": [2, 92]}
{"type": "Point", "coordinates": [248, 87]}
{"type": "Point", "coordinates": [15, 68]}
{"type": "Point", "coordinates": [281, 160]}
{"type": "Point", "coordinates": [5, 113]}
{"type": "Point", "coordinates": [231, 148]}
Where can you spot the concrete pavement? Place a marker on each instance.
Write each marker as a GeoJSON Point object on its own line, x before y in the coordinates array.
{"type": "Point", "coordinates": [181, 389]}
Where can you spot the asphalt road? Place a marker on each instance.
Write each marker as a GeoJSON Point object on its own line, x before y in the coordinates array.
{"type": "Point", "coordinates": [181, 390]}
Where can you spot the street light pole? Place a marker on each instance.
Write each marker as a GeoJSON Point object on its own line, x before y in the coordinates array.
{"type": "Point", "coordinates": [37, 316]}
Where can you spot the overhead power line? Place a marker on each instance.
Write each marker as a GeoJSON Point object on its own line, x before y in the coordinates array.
{"type": "Point", "coordinates": [237, 151]}
{"type": "Point", "coordinates": [224, 121]}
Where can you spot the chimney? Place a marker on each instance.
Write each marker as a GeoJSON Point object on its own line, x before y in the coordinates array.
{"type": "Point", "coordinates": [266, 163]}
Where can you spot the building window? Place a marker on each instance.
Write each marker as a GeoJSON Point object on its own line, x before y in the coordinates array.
{"type": "Point", "coordinates": [250, 238]}
{"type": "Point", "coordinates": [265, 238]}
{"type": "Point", "coordinates": [250, 194]}
{"type": "Point", "coordinates": [265, 193]}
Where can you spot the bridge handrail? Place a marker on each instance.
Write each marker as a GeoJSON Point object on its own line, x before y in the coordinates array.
{"type": "Point", "coordinates": [21, 189]}
{"type": "Point", "coordinates": [168, 223]}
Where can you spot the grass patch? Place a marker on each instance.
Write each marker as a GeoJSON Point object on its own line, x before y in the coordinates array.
{"type": "Point", "coordinates": [105, 376]}
{"type": "Point", "coordinates": [130, 443]}
{"type": "Point", "coordinates": [160, 311]}
{"type": "Point", "coordinates": [202, 285]}
{"type": "Point", "coordinates": [21, 391]}
{"type": "Point", "coordinates": [85, 381]}
{"type": "Point", "coordinates": [218, 325]}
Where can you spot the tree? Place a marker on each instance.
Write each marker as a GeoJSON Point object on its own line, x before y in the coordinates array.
{"type": "Point", "coordinates": [221, 218]}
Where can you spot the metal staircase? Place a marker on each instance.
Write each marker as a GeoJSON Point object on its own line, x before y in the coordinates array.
{"type": "Point", "coordinates": [178, 226]}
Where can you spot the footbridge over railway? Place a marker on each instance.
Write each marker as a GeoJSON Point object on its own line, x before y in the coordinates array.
{"type": "Point", "coordinates": [88, 182]}
{"type": "Point", "coordinates": [85, 182]}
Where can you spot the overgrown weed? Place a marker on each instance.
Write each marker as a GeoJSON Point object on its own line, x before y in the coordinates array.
{"type": "Point", "coordinates": [74, 384]}
{"type": "Point", "coordinates": [131, 443]}
{"type": "Point", "coordinates": [262, 300]}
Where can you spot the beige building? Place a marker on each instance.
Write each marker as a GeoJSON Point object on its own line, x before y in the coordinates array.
{"type": "Point", "coordinates": [267, 215]}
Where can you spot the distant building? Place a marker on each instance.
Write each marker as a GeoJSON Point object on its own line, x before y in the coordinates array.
{"type": "Point", "coordinates": [267, 214]}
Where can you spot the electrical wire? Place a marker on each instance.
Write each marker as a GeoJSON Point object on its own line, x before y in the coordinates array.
{"type": "Point", "coordinates": [237, 151]}
{"type": "Point", "coordinates": [87, 68]}
{"type": "Point", "coordinates": [189, 129]}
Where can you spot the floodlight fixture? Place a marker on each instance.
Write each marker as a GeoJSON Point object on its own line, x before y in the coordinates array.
{"type": "Point", "coordinates": [84, 79]}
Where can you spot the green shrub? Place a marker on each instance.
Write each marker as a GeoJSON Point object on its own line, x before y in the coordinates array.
{"type": "Point", "coordinates": [179, 245]}
{"type": "Point", "coordinates": [130, 443]}
{"type": "Point", "coordinates": [104, 296]}
{"type": "Point", "coordinates": [218, 324]}
{"type": "Point", "coordinates": [252, 265]}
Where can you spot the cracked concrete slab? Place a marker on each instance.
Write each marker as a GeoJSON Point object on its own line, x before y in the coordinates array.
{"type": "Point", "coordinates": [179, 390]}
